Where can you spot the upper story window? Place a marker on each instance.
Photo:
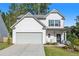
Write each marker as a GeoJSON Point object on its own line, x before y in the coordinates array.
{"type": "Point", "coordinates": [51, 22]}
{"type": "Point", "coordinates": [57, 22]}
{"type": "Point", "coordinates": [54, 22]}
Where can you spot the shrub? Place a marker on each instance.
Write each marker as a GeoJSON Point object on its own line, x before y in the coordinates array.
{"type": "Point", "coordinates": [71, 37]}
{"type": "Point", "coordinates": [76, 42]}
{"type": "Point", "coordinates": [66, 47]}
{"type": "Point", "coordinates": [67, 43]}
{"type": "Point", "coordinates": [9, 40]}
{"type": "Point", "coordinates": [76, 48]}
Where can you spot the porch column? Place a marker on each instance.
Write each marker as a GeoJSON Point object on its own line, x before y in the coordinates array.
{"type": "Point", "coordinates": [14, 37]}
{"type": "Point", "coordinates": [65, 36]}
{"type": "Point", "coordinates": [55, 38]}
{"type": "Point", "coordinates": [44, 37]}
{"type": "Point", "coordinates": [62, 37]}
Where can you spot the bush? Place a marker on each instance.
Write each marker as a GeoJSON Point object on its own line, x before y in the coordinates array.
{"type": "Point", "coordinates": [76, 42]}
{"type": "Point", "coordinates": [76, 48]}
{"type": "Point", "coordinates": [67, 43]}
{"type": "Point", "coordinates": [66, 47]}
{"type": "Point", "coordinates": [9, 40]}
{"type": "Point", "coordinates": [71, 37]}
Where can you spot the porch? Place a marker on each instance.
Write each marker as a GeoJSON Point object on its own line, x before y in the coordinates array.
{"type": "Point", "coordinates": [56, 35]}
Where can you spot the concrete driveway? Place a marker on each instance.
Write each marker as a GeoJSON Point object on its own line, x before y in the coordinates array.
{"type": "Point", "coordinates": [23, 50]}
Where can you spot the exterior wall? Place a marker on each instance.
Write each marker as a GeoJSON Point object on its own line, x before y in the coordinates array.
{"type": "Point", "coordinates": [53, 34]}
{"type": "Point", "coordinates": [28, 25]}
{"type": "Point", "coordinates": [53, 16]}
{"type": "Point", "coordinates": [44, 36]}
{"type": "Point", "coordinates": [1, 39]}
{"type": "Point", "coordinates": [43, 21]}
{"type": "Point", "coordinates": [3, 28]}
{"type": "Point", "coordinates": [14, 36]}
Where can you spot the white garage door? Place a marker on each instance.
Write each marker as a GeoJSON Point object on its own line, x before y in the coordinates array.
{"type": "Point", "coordinates": [29, 38]}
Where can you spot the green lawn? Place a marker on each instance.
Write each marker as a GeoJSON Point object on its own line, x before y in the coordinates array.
{"type": "Point", "coordinates": [4, 45]}
{"type": "Point", "coordinates": [55, 51]}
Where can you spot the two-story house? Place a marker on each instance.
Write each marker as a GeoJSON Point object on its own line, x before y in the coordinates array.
{"type": "Point", "coordinates": [39, 29]}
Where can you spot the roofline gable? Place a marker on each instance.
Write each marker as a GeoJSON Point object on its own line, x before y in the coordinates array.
{"type": "Point", "coordinates": [28, 15]}
{"type": "Point", "coordinates": [55, 11]}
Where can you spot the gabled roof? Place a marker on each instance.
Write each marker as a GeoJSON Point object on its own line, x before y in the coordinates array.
{"type": "Point", "coordinates": [37, 16]}
{"type": "Point", "coordinates": [43, 17]}
{"type": "Point", "coordinates": [20, 16]}
{"type": "Point", "coordinates": [28, 15]}
{"type": "Point", "coordinates": [56, 11]}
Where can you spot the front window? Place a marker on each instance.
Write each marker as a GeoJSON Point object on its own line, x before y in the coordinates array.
{"type": "Point", "coordinates": [51, 22]}
{"type": "Point", "coordinates": [54, 22]}
{"type": "Point", "coordinates": [57, 22]}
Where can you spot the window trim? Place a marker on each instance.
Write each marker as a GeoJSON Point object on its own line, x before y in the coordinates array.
{"type": "Point", "coordinates": [54, 21]}
{"type": "Point", "coordinates": [50, 22]}
{"type": "Point", "coordinates": [58, 23]}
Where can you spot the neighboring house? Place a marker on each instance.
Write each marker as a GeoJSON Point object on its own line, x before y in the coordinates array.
{"type": "Point", "coordinates": [39, 29]}
{"type": "Point", "coordinates": [3, 31]}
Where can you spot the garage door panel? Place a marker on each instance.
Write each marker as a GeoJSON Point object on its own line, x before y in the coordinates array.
{"type": "Point", "coordinates": [29, 38]}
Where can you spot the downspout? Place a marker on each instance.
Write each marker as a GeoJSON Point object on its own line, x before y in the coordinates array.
{"type": "Point", "coordinates": [54, 35]}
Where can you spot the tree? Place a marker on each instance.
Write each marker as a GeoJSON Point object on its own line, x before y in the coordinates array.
{"type": "Point", "coordinates": [15, 10]}
{"type": "Point", "coordinates": [76, 29]}
{"type": "Point", "coordinates": [18, 9]}
{"type": "Point", "coordinates": [40, 8]}
{"type": "Point", "coordinates": [73, 35]}
{"type": "Point", "coordinates": [77, 19]}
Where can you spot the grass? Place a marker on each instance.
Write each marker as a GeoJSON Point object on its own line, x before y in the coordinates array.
{"type": "Point", "coordinates": [55, 51]}
{"type": "Point", "coordinates": [4, 45]}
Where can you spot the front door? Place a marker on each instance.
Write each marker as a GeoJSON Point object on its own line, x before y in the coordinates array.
{"type": "Point", "coordinates": [58, 38]}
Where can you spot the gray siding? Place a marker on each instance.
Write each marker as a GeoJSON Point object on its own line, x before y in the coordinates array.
{"type": "Point", "coordinates": [3, 29]}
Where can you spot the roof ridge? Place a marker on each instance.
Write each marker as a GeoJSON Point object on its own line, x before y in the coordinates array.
{"type": "Point", "coordinates": [29, 14]}
{"type": "Point", "coordinates": [54, 10]}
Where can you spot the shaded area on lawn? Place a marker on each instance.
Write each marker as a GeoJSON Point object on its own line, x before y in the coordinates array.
{"type": "Point", "coordinates": [4, 45]}
{"type": "Point", "coordinates": [56, 51]}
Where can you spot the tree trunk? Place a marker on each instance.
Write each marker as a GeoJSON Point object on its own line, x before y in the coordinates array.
{"type": "Point", "coordinates": [38, 8]}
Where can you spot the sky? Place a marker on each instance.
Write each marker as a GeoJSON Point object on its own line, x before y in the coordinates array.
{"type": "Point", "coordinates": [68, 10]}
